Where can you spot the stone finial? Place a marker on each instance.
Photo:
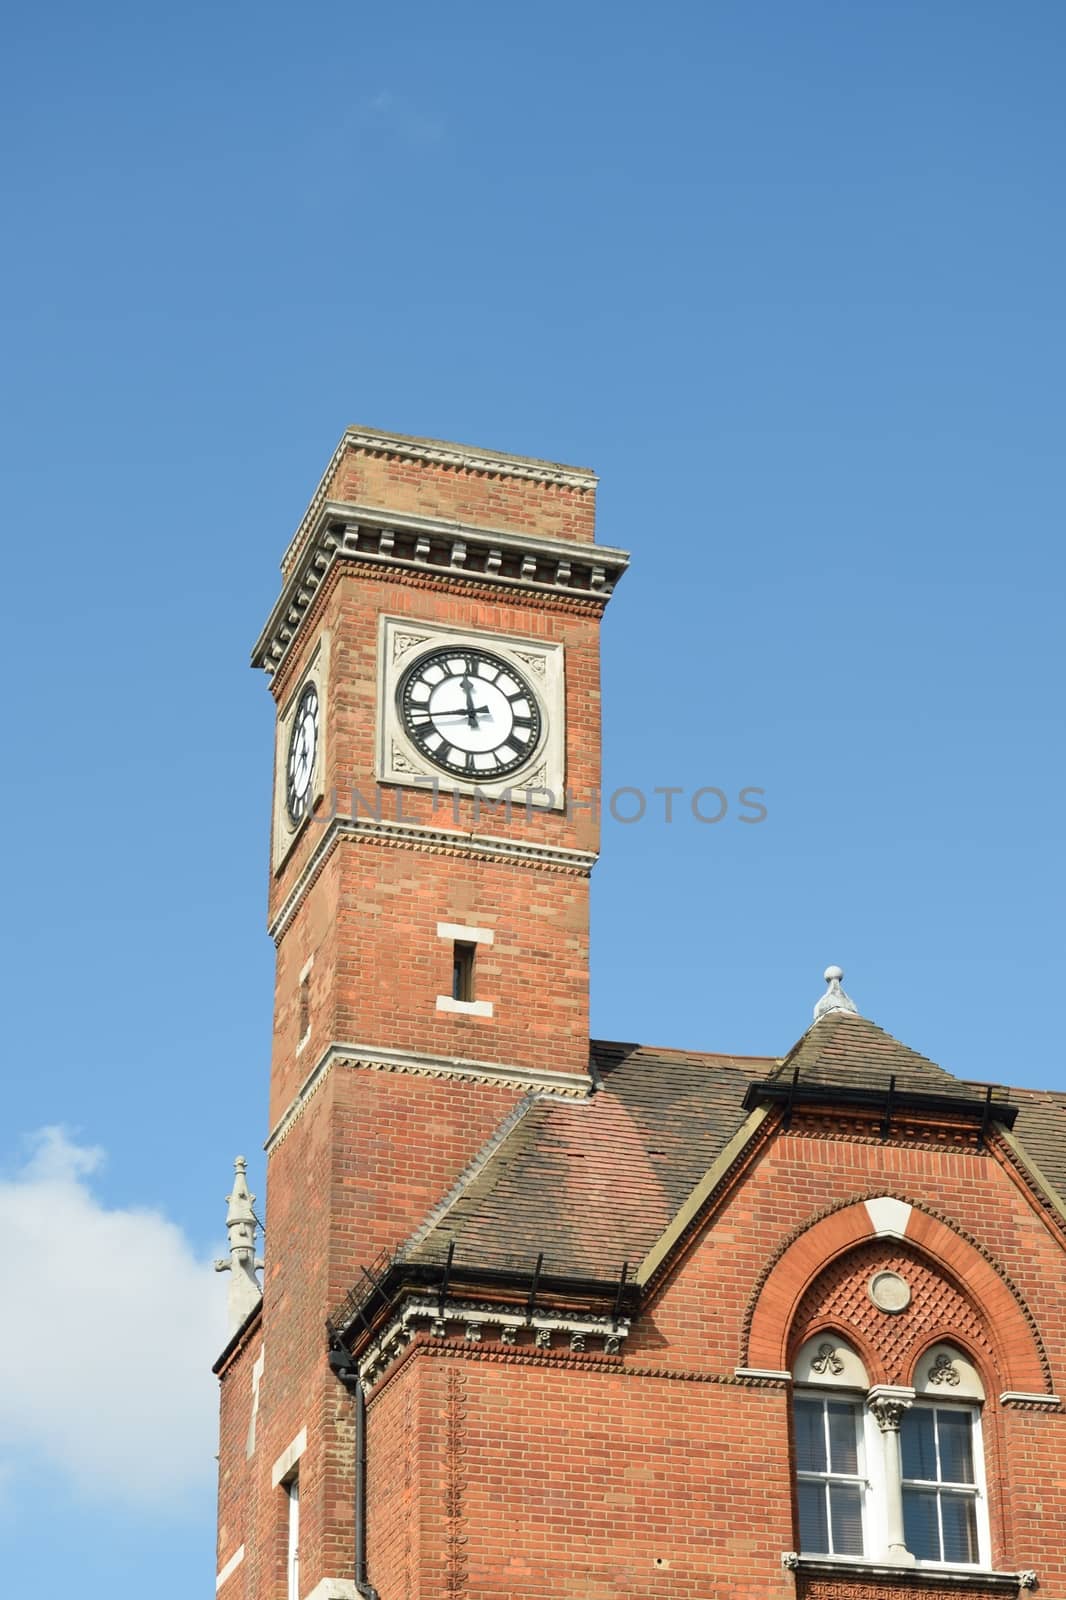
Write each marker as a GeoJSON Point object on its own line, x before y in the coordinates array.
{"type": "Point", "coordinates": [242, 1266]}
{"type": "Point", "coordinates": [834, 998]}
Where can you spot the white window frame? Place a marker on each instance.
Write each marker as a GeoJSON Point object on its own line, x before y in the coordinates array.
{"type": "Point", "coordinates": [873, 1466]}
{"type": "Point", "coordinates": [972, 1409]}
{"type": "Point", "coordinates": [292, 1537]}
{"type": "Point", "coordinates": [861, 1479]}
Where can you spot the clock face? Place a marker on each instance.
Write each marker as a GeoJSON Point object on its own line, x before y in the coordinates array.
{"type": "Point", "coordinates": [303, 746]}
{"type": "Point", "coordinates": [470, 713]}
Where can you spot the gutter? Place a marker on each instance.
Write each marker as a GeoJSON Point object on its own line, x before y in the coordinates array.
{"type": "Point", "coordinates": [340, 1362]}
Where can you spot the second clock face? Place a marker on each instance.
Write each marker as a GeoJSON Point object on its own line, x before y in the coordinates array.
{"type": "Point", "coordinates": [303, 746]}
{"type": "Point", "coordinates": [470, 713]}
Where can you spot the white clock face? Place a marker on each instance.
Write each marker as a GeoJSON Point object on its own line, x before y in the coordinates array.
{"type": "Point", "coordinates": [470, 713]}
{"type": "Point", "coordinates": [303, 746]}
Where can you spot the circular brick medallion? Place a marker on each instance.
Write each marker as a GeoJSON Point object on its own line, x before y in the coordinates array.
{"type": "Point", "coordinates": [889, 1291]}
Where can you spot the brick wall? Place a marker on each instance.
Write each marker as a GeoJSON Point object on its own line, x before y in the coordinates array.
{"type": "Point", "coordinates": [520, 505]}
{"type": "Point", "coordinates": [372, 1151]}
{"type": "Point", "coordinates": [556, 1475]}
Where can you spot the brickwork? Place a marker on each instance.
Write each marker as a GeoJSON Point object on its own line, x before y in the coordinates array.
{"type": "Point", "coordinates": [561, 1478]}
{"type": "Point", "coordinates": [362, 1158]}
{"type": "Point", "coordinates": [669, 1476]}
{"type": "Point", "coordinates": [516, 1472]}
{"type": "Point", "coordinates": [349, 606]}
{"type": "Point", "coordinates": [494, 501]}
{"type": "Point", "coordinates": [839, 1298]}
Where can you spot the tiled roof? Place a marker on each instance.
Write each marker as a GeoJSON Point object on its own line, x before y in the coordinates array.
{"type": "Point", "coordinates": [595, 1183]}
{"type": "Point", "coordinates": [1041, 1131]}
{"type": "Point", "coordinates": [846, 1049]}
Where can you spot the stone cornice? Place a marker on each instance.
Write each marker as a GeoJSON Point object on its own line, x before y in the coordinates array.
{"type": "Point", "coordinates": [437, 452]}
{"type": "Point", "coordinates": [448, 551]}
{"type": "Point", "coordinates": [416, 836]}
{"type": "Point", "coordinates": [569, 1085]}
{"type": "Point", "coordinates": [1016, 1398]}
{"type": "Point", "coordinates": [474, 1320]}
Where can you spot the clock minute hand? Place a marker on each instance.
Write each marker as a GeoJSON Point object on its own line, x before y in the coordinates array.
{"type": "Point", "coordinates": [471, 713]}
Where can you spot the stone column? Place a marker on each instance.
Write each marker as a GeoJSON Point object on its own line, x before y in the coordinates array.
{"type": "Point", "coordinates": [888, 1404]}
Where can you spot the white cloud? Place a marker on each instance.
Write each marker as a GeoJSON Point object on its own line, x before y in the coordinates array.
{"type": "Point", "coordinates": [108, 1326]}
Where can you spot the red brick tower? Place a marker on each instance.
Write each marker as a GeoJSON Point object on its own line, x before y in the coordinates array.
{"type": "Point", "coordinates": [550, 1321]}
{"type": "Point", "coordinates": [434, 656]}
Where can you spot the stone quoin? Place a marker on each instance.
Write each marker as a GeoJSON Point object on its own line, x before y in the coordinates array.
{"type": "Point", "coordinates": [545, 1316]}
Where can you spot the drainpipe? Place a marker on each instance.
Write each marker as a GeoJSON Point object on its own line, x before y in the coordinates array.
{"type": "Point", "coordinates": [363, 1586]}
{"type": "Point", "coordinates": [339, 1360]}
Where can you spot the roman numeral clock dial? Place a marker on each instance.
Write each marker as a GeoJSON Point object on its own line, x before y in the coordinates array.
{"type": "Point", "coordinates": [303, 746]}
{"type": "Point", "coordinates": [470, 713]}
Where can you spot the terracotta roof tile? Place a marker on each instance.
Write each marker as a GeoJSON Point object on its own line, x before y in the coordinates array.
{"type": "Point", "coordinates": [595, 1183]}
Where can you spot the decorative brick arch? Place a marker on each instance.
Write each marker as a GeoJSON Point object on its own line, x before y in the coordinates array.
{"type": "Point", "coordinates": [1019, 1357]}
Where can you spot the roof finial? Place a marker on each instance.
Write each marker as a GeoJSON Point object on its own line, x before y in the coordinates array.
{"type": "Point", "coordinates": [242, 1266]}
{"type": "Point", "coordinates": [834, 998]}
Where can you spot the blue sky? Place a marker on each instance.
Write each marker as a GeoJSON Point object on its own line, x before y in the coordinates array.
{"type": "Point", "coordinates": [790, 278]}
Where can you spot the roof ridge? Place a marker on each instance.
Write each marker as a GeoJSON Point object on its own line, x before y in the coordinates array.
{"type": "Point", "coordinates": [722, 1057]}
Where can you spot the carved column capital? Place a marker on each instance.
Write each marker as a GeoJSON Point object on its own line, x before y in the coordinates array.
{"type": "Point", "coordinates": [888, 1404]}
{"type": "Point", "coordinates": [888, 1413]}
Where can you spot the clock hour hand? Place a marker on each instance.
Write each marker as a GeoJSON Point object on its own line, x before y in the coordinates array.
{"type": "Point", "coordinates": [468, 689]}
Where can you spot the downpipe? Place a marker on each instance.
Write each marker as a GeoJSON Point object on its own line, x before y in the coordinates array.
{"type": "Point", "coordinates": [339, 1360]}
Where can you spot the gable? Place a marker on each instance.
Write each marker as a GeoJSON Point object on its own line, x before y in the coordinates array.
{"type": "Point", "coordinates": [628, 1176]}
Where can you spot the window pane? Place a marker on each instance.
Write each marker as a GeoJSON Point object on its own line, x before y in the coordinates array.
{"type": "Point", "coordinates": [814, 1526]}
{"type": "Point", "coordinates": [919, 1448]}
{"type": "Point", "coordinates": [843, 1437]}
{"type": "Point", "coordinates": [810, 1436]}
{"type": "Point", "coordinates": [960, 1527]}
{"type": "Point", "coordinates": [956, 1452]}
{"type": "Point", "coordinates": [845, 1505]}
{"type": "Point", "coordinates": [920, 1528]}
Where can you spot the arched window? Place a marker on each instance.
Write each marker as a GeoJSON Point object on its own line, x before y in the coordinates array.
{"type": "Point", "coordinates": [831, 1471]}
{"type": "Point", "coordinates": [890, 1473]}
{"type": "Point", "coordinates": [945, 1518]}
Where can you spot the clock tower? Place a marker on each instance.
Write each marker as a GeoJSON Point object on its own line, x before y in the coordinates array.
{"type": "Point", "coordinates": [434, 658]}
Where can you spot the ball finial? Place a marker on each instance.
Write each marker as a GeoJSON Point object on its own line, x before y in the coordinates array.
{"type": "Point", "coordinates": [834, 998]}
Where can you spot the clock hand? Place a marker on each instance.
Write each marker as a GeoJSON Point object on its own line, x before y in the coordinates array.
{"type": "Point", "coordinates": [468, 689]}
{"type": "Point", "coordinates": [471, 713]}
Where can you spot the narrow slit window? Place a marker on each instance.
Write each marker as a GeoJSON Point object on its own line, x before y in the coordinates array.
{"type": "Point", "coordinates": [304, 1024]}
{"type": "Point", "coordinates": [463, 970]}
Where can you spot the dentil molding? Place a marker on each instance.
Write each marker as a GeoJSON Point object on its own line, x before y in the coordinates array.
{"type": "Point", "coordinates": [438, 452]}
{"type": "Point", "coordinates": [568, 1085]}
{"type": "Point", "coordinates": [442, 549]}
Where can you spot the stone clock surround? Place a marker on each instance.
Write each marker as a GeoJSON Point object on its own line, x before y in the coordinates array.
{"type": "Point", "coordinates": [402, 640]}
